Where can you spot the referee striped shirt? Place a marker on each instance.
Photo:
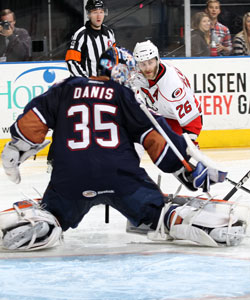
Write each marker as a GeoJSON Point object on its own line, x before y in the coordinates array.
{"type": "Point", "coordinates": [86, 47]}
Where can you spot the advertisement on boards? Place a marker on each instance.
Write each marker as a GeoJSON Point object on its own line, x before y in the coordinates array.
{"type": "Point", "coordinates": [20, 83]}
{"type": "Point", "coordinates": [222, 86]}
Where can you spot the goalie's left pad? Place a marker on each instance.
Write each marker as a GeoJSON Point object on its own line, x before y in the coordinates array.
{"type": "Point", "coordinates": [199, 225]}
{"type": "Point", "coordinates": [28, 227]}
{"type": "Point", "coordinates": [16, 152]}
{"type": "Point", "coordinates": [205, 171]}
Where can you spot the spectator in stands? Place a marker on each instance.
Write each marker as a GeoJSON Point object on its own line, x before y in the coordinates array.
{"type": "Point", "coordinates": [219, 33]}
{"type": "Point", "coordinates": [241, 42]}
{"type": "Point", "coordinates": [200, 36]}
{"type": "Point", "coordinates": [15, 43]}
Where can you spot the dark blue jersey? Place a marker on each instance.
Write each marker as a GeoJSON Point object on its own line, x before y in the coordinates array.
{"type": "Point", "coordinates": [95, 124]}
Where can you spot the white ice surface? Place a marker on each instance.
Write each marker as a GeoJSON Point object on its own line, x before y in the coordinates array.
{"type": "Point", "coordinates": [102, 261]}
{"type": "Point", "coordinates": [94, 236]}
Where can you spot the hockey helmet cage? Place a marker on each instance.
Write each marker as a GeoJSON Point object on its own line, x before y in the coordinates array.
{"type": "Point", "coordinates": [94, 4]}
{"type": "Point", "coordinates": [145, 51]}
{"type": "Point", "coordinates": [117, 63]}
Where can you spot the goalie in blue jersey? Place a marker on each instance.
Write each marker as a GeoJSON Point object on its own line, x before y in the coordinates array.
{"type": "Point", "coordinates": [95, 123]}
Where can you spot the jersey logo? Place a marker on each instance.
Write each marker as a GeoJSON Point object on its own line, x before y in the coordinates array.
{"type": "Point", "coordinates": [177, 93]}
{"type": "Point", "coordinates": [110, 43]}
{"type": "Point", "coordinates": [89, 194]}
{"type": "Point", "coordinates": [155, 95]}
{"type": "Point", "coordinates": [149, 99]}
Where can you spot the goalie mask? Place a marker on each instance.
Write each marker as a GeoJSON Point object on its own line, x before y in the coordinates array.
{"type": "Point", "coordinates": [117, 63]}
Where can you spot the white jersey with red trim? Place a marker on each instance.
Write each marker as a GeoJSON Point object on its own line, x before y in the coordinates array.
{"type": "Point", "coordinates": [171, 96]}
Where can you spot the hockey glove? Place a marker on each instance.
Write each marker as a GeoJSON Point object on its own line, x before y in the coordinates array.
{"type": "Point", "coordinates": [16, 152]}
{"type": "Point", "coordinates": [205, 171]}
{"type": "Point", "coordinates": [199, 178]}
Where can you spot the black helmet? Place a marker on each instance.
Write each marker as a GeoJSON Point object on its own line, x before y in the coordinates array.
{"type": "Point", "coordinates": [94, 4]}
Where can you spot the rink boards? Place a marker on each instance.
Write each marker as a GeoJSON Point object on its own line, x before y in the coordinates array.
{"type": "Point", "coordinates": [220, 84]}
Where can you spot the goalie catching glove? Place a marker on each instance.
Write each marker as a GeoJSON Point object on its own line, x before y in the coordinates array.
{"type": "Point", "coordinates": [16, 152]}
{"type": "Point", "coordinates": [205, 170]}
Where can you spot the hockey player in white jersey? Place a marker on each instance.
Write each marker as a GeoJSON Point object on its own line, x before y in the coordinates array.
{"type": "Point", "coordinates": [166, 91]}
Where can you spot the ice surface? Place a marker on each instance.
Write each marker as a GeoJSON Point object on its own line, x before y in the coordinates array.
{"type": "Point", "coordinates": [102, 261]}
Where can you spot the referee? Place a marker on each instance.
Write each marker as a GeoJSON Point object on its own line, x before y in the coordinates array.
{"type": "Point", "coordinates": [89, 42]}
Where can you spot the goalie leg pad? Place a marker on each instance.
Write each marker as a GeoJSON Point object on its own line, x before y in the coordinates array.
{"type": "Point", "coordinates": [232, 236]}
{"type": "Point", "coordinates": [205, 227]}
{"type": "Point", "coordinates": [27, 227]}
{"type": "Point", "coordinates": [21, 235]}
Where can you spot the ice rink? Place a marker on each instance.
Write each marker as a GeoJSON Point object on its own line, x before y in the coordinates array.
{"type": "Point", "coordinates": [100, 260]}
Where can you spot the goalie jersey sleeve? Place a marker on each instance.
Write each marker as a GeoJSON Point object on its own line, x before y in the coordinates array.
{"type": "Point", "coordinates": [95, 125]}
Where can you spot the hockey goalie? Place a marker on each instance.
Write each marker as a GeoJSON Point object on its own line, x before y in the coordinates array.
{"type": "Point", "coordinates": [95, 123]}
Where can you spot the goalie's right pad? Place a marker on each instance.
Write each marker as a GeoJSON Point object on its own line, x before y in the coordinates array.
{"type": "Point", "coordinates": [204, 227]}
{"type": "Point", "coordinates": [16, 152]}
{"type": "Point", "coordinates": [27, 227]}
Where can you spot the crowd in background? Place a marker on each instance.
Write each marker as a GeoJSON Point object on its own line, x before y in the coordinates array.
{"type": "Point", "coordinates": [209, 37]}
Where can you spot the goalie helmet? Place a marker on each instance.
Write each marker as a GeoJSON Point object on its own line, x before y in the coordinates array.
{"type": "Point", "coordinates": [117, 63]}
{"type": "Point", "coordinates": [94, 4]}
{"type": "Point", "coordinates": [145, 51]}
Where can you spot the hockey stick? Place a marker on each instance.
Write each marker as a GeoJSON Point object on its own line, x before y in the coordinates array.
{"type": "Point", "coordinates": [235, 183]}
{"type": "Point", "coordinates": [238, 186]}
{"type": "Point", "coordinates": [165, 136]}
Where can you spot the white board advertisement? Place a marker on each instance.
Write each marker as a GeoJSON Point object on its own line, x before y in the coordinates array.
{"type": "Point", "coordinates": [221, 84]}
{"type": "Point", "coordinates": [20, 83]}
{"type": "Point", "coordinates": [223, 87]}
